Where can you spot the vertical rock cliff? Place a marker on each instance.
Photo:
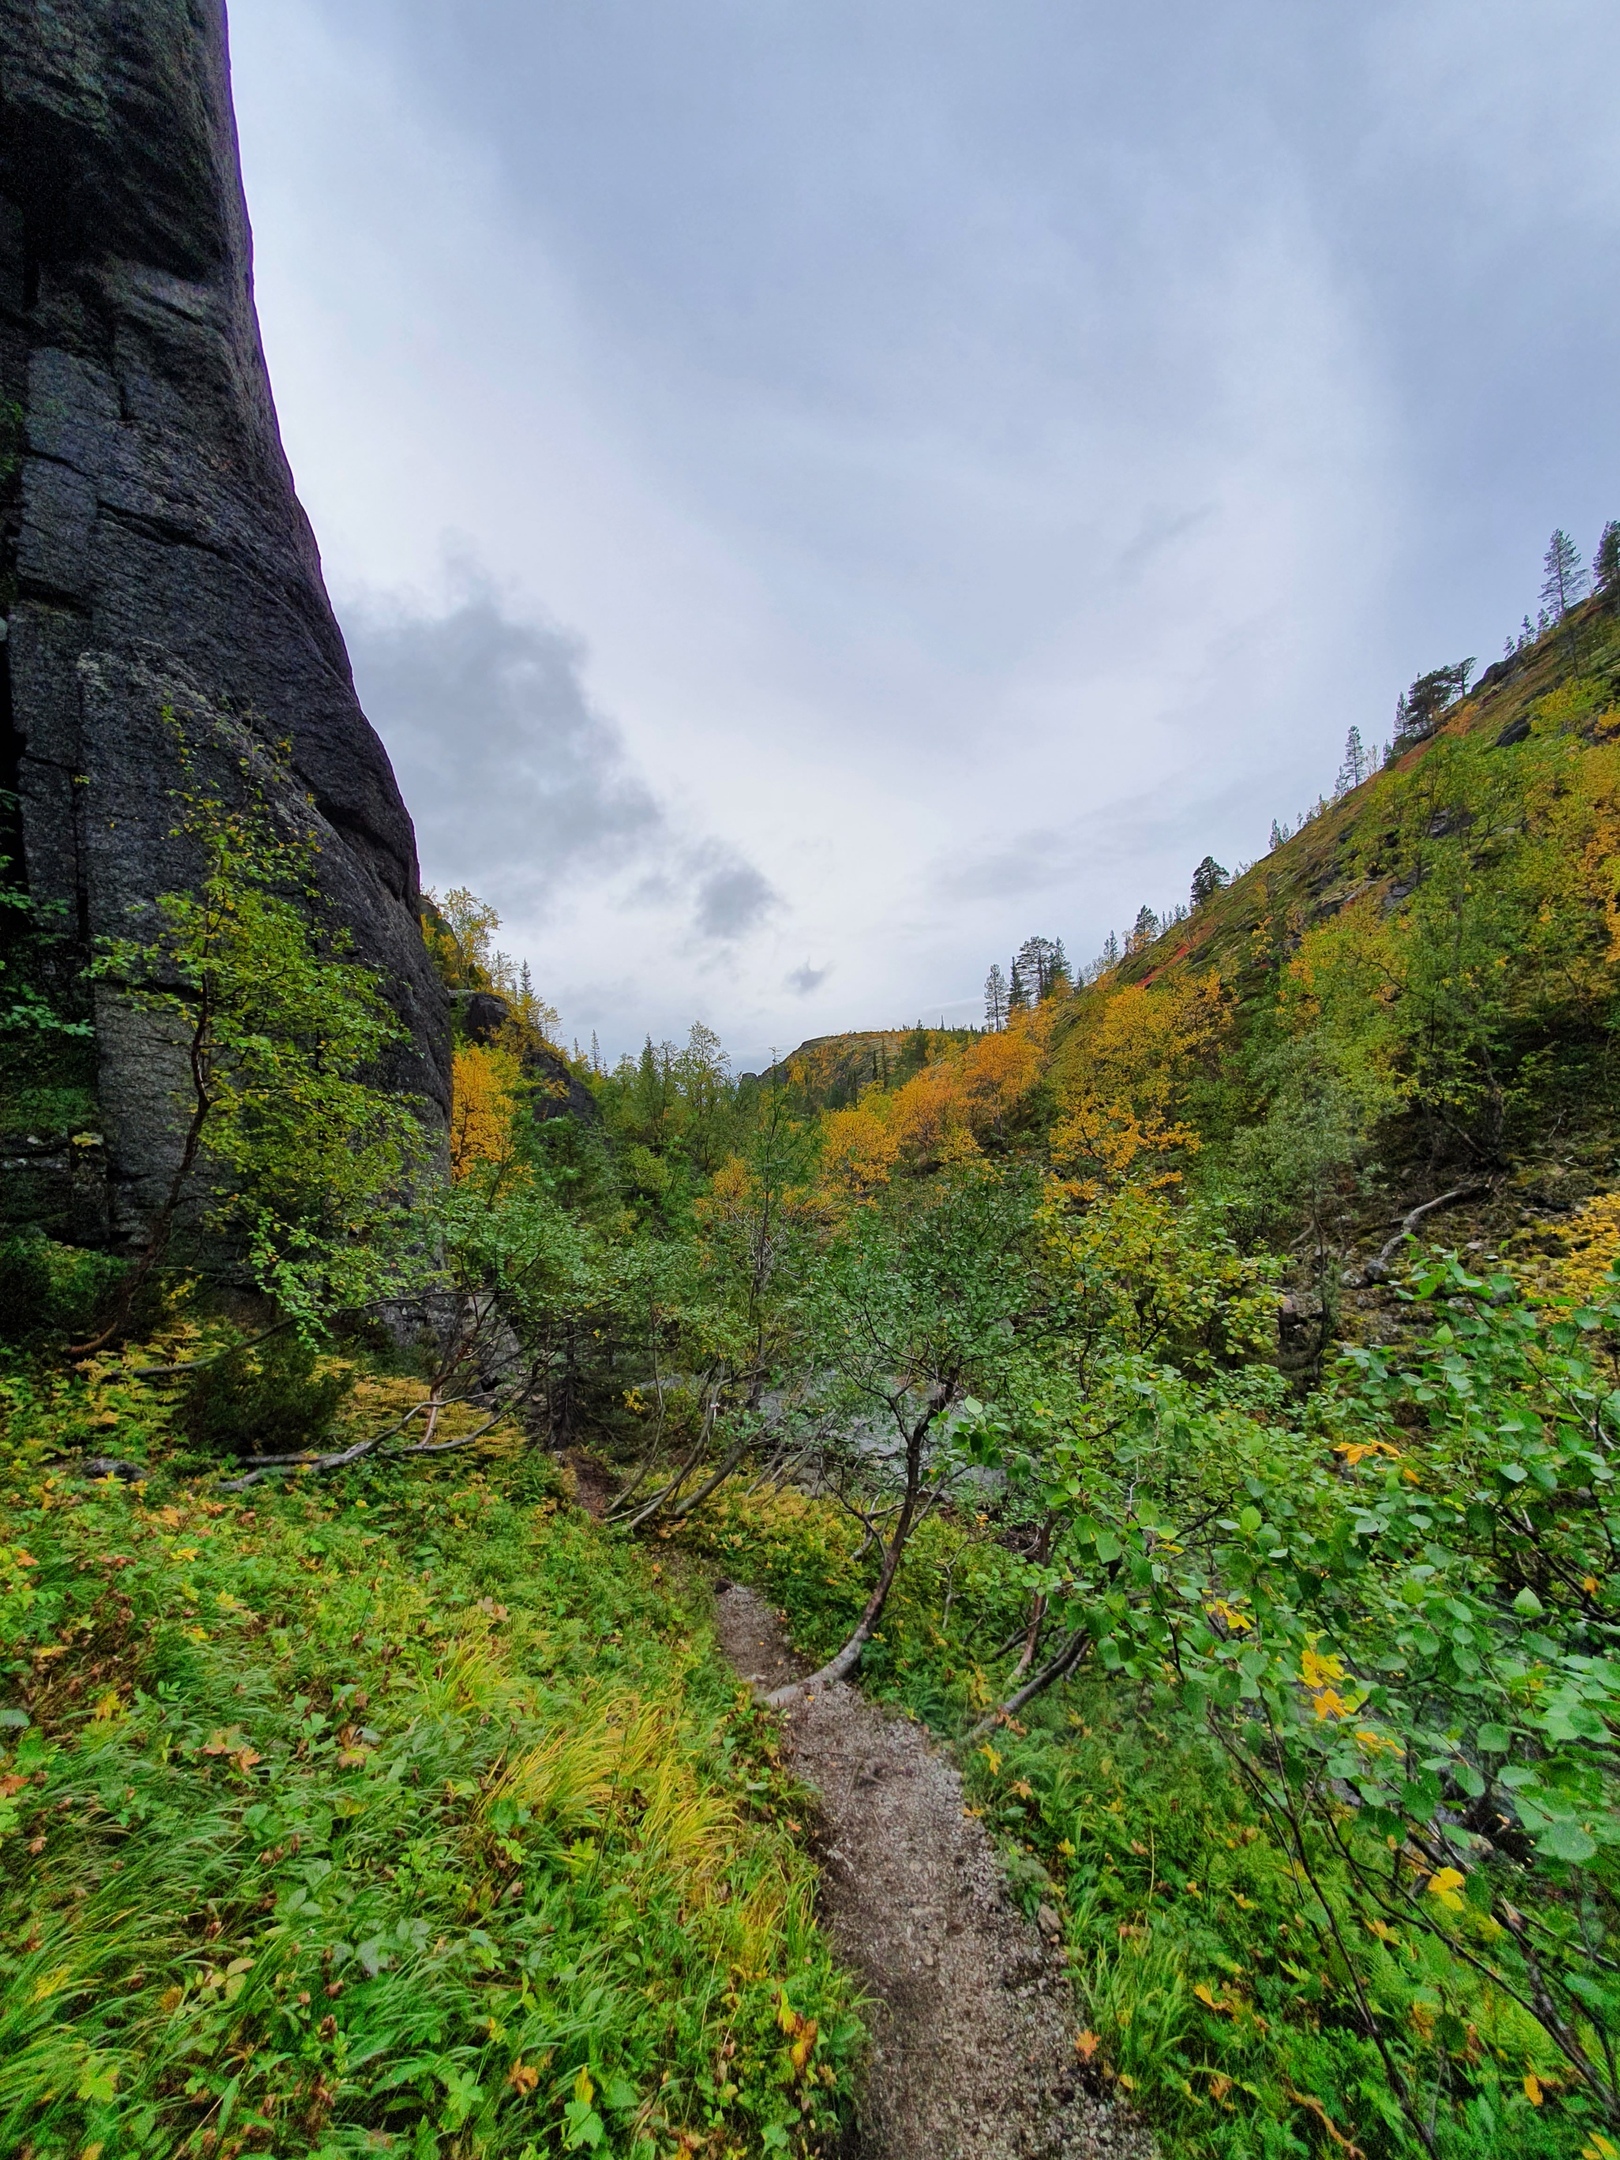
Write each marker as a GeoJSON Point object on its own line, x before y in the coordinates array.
{"type": "Point", "coordinates": [154, 553]}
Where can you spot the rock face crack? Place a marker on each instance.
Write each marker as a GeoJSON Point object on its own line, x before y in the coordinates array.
{"type": "Point", "coordinates": [973, 2023]}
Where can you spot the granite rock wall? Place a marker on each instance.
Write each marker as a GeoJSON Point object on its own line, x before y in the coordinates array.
{"type": "Point", "coordinates": [153, 555]}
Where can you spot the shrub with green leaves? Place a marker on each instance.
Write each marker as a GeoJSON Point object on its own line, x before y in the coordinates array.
{"type": "Point", "coordinates": [305, 1160]}
{"type": "Point", "coordinates": [1337, 1818]}
{"type": "Point", "coordinates": [47, 1288]}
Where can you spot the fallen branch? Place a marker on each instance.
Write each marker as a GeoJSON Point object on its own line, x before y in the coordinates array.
{"type": "Point", "coordinates": [1377, 1270]}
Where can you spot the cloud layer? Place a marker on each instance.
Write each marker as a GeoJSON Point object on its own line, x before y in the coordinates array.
{"type": "Point", "coordinates": [510, 771]}
{"type": "Point", "coordinates": [520, 786]}
{"type": "Point", "coordinates": [992, 454]}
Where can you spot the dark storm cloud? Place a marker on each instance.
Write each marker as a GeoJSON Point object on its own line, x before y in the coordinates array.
{"type": "Point", "coordinates": [518, 784]}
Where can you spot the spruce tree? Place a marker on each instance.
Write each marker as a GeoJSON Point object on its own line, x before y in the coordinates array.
{"type": "Point", "coordinates": [995, 998]}
{"type": "Point", "coordinates": [1018, 993]}
{"type": "Point", "coordinates": [1145, 929]}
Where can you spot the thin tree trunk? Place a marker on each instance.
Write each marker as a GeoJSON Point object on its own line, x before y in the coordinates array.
{"type": "Point", "coordinates": [1059, 1667]}
{"type": "Point", "coordinates": [844, 1661]}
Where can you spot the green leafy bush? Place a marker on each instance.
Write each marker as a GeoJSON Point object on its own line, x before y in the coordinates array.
{"type": "Point", "coordinates": [48, 1289]}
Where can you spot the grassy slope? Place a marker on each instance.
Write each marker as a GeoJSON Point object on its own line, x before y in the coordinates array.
{"type": "Point", "coordinates": [406, 1814]}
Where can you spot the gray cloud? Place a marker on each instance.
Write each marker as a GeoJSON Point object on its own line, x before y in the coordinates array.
{"type": "Point", "coordinates": [1095, 453]}
{"type": "Point", "coordinates": [512, 775]}
{"type": "Point", "coordinates": [732, 896]}
{"type": "Point", "coordinates": [805, 979]}
{"type": "Point", "coordinates": [516, 780]}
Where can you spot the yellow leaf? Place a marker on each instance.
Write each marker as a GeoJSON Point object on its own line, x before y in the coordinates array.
{"type": "Point", "coordinates": [992, 1758]}
{"type": "Point", "coordinates": [1317, 1671]}
{"type": "Point", "coordinates": [1086, 2044]}
{"type": "Point", "coordinates": [1532, 2088]}
{"type": "Point", "coordinates": [584, 2090]}
{"type": "Point", "coordinates": [523, 2078]}
{"type": "Point", "coordinates": [799, 2053]}
{"type": "Point", "coordinates": [1444, 1884]}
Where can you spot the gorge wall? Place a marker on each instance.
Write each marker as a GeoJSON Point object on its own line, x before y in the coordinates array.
{"type": "Point", "coordinates": [156, 559]}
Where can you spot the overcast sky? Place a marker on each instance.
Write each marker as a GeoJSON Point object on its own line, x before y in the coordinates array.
{"type": "Point", "coordinates": [818, 492]}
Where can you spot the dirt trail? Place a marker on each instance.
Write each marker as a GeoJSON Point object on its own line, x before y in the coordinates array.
{"type": "Point", "coordinates": [973, 2031]}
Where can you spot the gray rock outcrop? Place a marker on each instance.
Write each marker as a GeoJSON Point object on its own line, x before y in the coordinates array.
{"type": "Point", "coordinates": [155, 557]}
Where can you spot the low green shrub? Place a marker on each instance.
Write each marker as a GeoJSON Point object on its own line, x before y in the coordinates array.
{"type": "Point", "coordinates": [268, 1398]}
{"type": "Point", "coordinates": [51, 1289]}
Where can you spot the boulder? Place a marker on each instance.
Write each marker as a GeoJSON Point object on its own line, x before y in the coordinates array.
{"type": "Point", "coordinates": [158, 569]}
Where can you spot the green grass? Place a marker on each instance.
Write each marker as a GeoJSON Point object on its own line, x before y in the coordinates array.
{"type": "Point", "coordinates": [1210, 1999]}
{"type": "Point", "coordinates": [410, 1814]}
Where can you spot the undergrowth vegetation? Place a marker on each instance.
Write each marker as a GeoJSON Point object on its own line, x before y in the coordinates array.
{"type": "Point", "coordinates": [408, 1815]}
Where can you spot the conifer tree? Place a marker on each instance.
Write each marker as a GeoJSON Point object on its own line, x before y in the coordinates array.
{"type": "Point", "coordinates": [1035, 957]}
{"type": "Point", "coordinates": [1356, 764]}
{"type": "Point", "coordinates": [1419, 711]}
{"type": "Point", "coordinates": [1207, 880]}
{"type": "Point", "coordinates": [1018, 992]}
{"type": "Point", "coordinates": [1565, 575]}
{"type": "Point", "coordinates": [995, 998]}
{"type": "Point", "coordinates": [1606, 561]}
{"type": "Point", "coordinates": [1145, 929]}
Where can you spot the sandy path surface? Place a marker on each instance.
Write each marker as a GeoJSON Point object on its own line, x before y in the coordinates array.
{"type": "Point", "coordinates": [974, 2025]}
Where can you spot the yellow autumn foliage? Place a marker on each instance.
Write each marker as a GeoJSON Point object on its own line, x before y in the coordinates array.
{"type": "Point", "coordinates": [1123, 1078]}
{"type": "Point", "coordinates": [485, 1084]}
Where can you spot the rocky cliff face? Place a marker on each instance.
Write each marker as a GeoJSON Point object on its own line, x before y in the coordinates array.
{"type": "Point", "coordinates": [155, 556]}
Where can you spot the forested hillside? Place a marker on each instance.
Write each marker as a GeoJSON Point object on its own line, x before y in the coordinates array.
{"type": "Point", "coordinates": [1194, 1397]}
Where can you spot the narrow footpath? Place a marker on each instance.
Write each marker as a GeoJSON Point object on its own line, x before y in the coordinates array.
{"type": "Point", "coordinates": [973, 2020]}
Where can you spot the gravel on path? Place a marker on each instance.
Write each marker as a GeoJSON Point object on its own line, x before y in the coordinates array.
{"type": "Point", "coordinates": [973, 2021]}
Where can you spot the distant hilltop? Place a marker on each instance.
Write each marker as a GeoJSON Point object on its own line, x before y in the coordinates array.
{"type": "Point", "coordinates": [827, 1072]}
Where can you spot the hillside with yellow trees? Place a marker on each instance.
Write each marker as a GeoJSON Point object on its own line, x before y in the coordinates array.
{"type": "Point", "coordinates": [1195, 1398]}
